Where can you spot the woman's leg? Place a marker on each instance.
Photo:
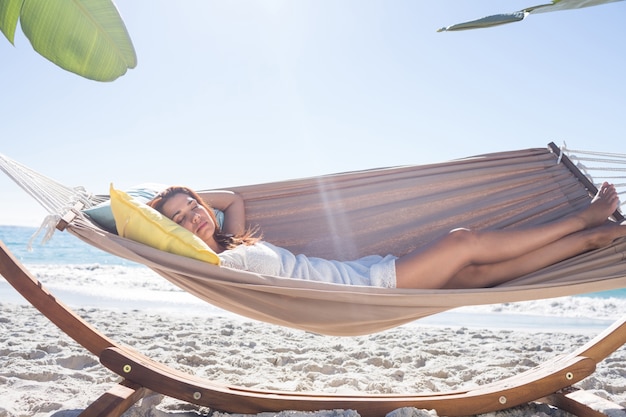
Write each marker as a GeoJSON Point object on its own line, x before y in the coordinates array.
{"type": "Point", "coordinates": [488, 275]}
{"type": "Point", "coordinates": [435, 265]}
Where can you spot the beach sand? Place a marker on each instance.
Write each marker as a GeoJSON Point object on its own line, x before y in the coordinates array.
{"type": "Point", "coordinates": [45, 373]}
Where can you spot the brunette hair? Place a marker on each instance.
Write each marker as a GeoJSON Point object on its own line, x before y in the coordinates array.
{"type": "Point", "coordinates": [225, 240]}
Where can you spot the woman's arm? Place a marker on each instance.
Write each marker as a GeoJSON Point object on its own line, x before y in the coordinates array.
{"type": "Point", "coordinates": [232, 205]}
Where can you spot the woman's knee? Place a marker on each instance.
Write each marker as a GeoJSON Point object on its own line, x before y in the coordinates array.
{"type": "Point", "coordinates": [462, 237]}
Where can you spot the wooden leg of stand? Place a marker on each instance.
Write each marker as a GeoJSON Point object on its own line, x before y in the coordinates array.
{"type": "Point", "coordinates": [584, 404]}
{"type": "Point", "coordinates": [116, 401]}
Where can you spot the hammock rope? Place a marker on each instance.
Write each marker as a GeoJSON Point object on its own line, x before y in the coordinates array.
{"type": "Point", "coordinates": [608, 164]}
{"type": "Point", "coordinates": [57, 199]}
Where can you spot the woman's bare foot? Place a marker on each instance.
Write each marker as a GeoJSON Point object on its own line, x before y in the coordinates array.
{"type": "Point", "coordinates": [602, 206]}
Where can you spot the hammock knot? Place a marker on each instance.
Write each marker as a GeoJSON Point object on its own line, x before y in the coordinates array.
{"type": "Point", "coordinates": [48, 226]}
{"type": "Point", "coordinates": [82, 196]}
{"type": "Point", "coordinates": [51, 222]}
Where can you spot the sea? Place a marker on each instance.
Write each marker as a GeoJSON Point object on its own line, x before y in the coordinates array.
{"type": "Point", "coordinates": [85, 277]}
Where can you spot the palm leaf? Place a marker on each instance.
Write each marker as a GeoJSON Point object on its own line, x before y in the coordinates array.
{"type": "Point", "coordinates": [9, 14]}
{"type": "Point", "coordinates": [86, 37]}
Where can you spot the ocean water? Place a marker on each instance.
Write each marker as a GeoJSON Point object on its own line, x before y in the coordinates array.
{"type": "Point", "coordinates": [63, 248]}
{"type": "Point", "coordinates": [85, 277]}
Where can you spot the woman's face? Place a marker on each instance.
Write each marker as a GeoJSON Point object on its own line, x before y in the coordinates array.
{"type": "Point", "coordinates": [187, 212]}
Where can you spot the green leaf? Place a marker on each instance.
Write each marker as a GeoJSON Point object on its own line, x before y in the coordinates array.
{"type": "Point", "coordinates": [9, 15]}
{"type": "Point", "coordinates": [86, 37]}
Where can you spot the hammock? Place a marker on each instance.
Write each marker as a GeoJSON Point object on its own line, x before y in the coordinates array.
{"type": "Point", "coordinates": [389, 210]}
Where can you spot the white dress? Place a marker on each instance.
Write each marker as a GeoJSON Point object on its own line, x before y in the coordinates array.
{"type": "Point", "coordinates": [267, 259]}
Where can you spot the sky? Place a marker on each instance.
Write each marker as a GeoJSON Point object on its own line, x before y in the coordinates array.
{"type": "Point", "coordinates": [237, 92]}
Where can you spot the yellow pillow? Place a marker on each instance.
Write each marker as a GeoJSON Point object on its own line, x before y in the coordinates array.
{"type": "Point", "coordinates": [141, 223]}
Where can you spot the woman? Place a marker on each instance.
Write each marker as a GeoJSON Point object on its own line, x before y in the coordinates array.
{"type": "Point", "coordinates": [461, 259]}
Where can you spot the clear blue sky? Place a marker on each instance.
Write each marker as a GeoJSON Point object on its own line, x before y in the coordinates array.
{"type": "Point", "coordinates": [240, 92]}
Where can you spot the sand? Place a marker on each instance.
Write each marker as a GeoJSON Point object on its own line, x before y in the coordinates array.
{"type": "Point", "coordinates": [45, 373]}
